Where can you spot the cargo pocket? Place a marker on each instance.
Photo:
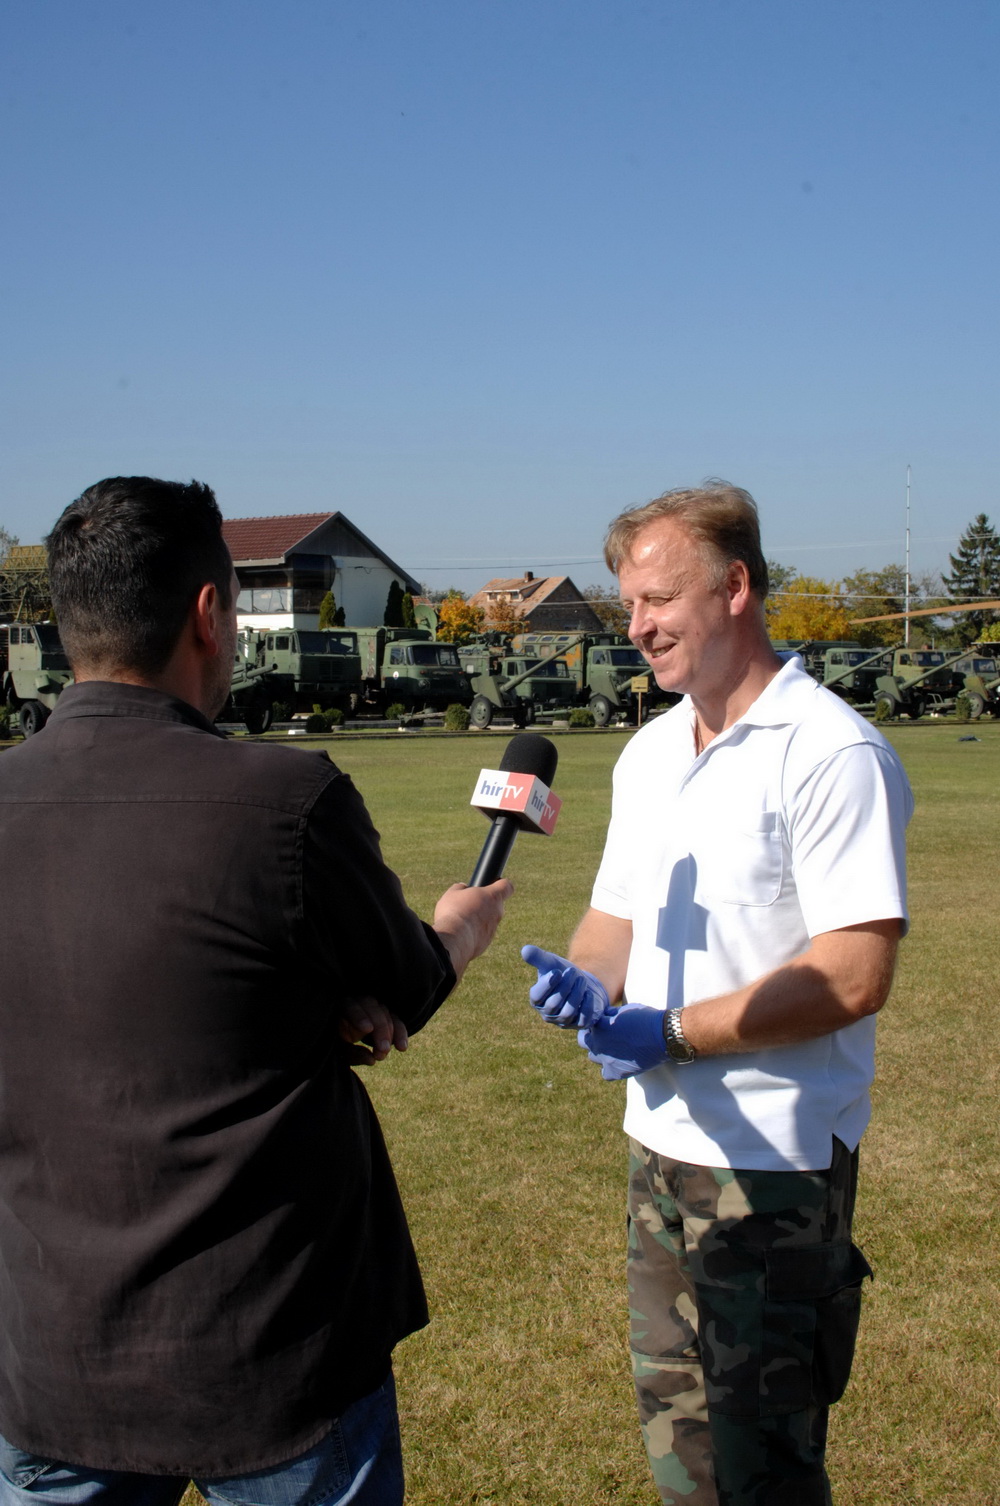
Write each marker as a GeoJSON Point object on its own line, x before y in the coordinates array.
{"type": "Point", "coordinates": [811, 1314]}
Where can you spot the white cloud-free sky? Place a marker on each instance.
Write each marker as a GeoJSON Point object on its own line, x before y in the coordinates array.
{"type": "Point", "coordinates": [480, 273]}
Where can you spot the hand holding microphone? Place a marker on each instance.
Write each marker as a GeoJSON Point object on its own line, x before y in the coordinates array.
{"type": "Point", "coordinates": [516, 797]}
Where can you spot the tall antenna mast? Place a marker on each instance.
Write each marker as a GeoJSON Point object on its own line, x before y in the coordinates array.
{"type": "Point", "coordinates": [906, 630]}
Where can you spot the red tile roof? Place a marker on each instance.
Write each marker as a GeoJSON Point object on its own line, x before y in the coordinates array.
{"type": "Point", "coordinates": [269, 538]}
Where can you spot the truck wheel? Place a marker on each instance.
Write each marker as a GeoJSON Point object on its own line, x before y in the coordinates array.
{"type": "Point", "coordinates": [884, 707]}
{"type": "Point", "coordinates": [915, 710]}
{"type": "Point", "coordinates": [258, 717]}
{"type": "Point", "coordinates": [481, 712]}
{"type": "Point", "coordinates": [33, 716]}
{"type": "Point", "coordinates": [976, 704]}
{"type": "Point", "coordinates": [600, 707]}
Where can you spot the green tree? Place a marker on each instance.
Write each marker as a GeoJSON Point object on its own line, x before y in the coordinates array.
{"type": "Point", "coordinates": [394, 606]}
{"type": "Point", "coordinates": [975, 575]}
{"type": "Point", "coordinates": [780, 576]}
{"type": "Point", "coordinates": [409, 615]}
{"type": "Point", "coordinates": [328, 611]}
{"type": "Point", "coordinates": [875, 593]}
{"type": "Point", "coordinates": [607, 604]}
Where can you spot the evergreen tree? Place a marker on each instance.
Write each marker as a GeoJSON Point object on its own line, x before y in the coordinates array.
{"type": "Point", "coordinates": [394, 606]}
{"type": "Point", "coordinates": [409, 615]}
{"type": "Point", "coordinates": [328, 611]}
{"type": "Point", "coordinates": [975, 574]}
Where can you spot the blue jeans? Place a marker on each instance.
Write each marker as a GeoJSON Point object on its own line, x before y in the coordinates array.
{"type": "Point", "coordinates": [358, 1463]}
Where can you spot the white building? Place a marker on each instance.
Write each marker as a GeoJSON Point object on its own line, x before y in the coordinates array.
{"type": "Point", "coordinates": [286, 565]}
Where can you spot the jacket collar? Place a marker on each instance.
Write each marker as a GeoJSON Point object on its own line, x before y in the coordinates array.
{"type": "Point", "coordinates": [112, 698]}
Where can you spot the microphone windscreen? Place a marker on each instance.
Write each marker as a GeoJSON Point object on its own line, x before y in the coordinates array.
{"type": "Point", "coordinates": [527, 753]}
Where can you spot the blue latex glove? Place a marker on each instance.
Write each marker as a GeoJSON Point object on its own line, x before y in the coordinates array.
{"type": "Point", "coordinates": [626, 1041]}
{"type": "Point", "coordinates": [565, 995]}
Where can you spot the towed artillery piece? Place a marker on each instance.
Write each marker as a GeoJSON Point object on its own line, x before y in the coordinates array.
{"type": "Point", "coordinates": [521, 685]}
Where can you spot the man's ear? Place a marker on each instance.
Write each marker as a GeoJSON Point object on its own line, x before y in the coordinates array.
{"type": "Point", "coordinates": [738, 587]}
{"type": "Point", "coordinates": [206, 615]}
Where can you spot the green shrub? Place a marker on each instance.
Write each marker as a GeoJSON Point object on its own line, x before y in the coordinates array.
{"type": "Point", "coordinates": [334, 717]}
{"type": "Point", "coordinates": [963, 706]}
{"type": "Point", "coordinates": [456, 718]}
{"type": "Point", "coordinates": [316, 722]}
{"type": "Point", "coordinates": [4, 721]}
{"type": "Point", "coordinates": [395, 711]}
{"type": "Point", "coordinates": [884, 709]}
{"type": "Point", "coordinates": [282, 711]}
{"type": "Point", "coordinates": [581, 716]}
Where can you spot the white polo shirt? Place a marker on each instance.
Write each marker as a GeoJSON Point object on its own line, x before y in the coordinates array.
{"type": "Point", "coordinates": [789, 824]}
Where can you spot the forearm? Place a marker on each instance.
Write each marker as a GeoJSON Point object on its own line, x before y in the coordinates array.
{"type": "Point", "coordinates": [601, 945]}
{"type": "Point", "coordinates": [842, 977]}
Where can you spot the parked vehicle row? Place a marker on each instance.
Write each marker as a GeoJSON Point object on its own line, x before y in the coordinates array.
{"type": "Point", "coordinates": [905, 681]}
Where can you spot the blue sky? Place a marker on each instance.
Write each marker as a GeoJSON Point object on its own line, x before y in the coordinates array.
{"type": "Point", "coordinates": [480, 273]}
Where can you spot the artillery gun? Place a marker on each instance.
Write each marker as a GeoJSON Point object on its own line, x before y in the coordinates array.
{"type": "Point", "coordinates": [981, 681]}
{"type": "Point", "coordinates": [920, 679]}
{"type": "Point", "coordinates": [609, 672]}
{"type": "Point", "coordinates": [526, 686]}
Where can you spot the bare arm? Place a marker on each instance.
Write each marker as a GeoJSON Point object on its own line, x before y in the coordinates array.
{"type": "Point", "coordinates": [843, 976]}
{"type": "Point", "coordinates": [466, 920]}
{"type": "Point", "coordinates": [601, 945]}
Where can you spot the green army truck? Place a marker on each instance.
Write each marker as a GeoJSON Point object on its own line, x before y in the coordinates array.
{"type": "Point", "coordinates": [407, 665]}
{"type": "Point", "coordinates": [307, 667]}
{"type": "Point", "coordinates": [853, 673]}
{"type": "Point", "coordinates": [34, 669]}
{"type": "Point", "coordinates": [523, 687]}
{"type": "Point", "coordinates": [606, 669]}
{"type": "Point", "coordinates": [813, 651]}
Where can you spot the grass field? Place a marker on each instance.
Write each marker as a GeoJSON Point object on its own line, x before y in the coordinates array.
{"type": "Point", "coordinates": [510, 1155]}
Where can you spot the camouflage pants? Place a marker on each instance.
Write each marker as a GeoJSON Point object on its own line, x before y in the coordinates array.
{"type": "Point", "coordinates": [744, 1294]}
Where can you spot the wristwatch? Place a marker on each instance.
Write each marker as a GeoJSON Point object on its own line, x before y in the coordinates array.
{"type": "Point", "coordinates": [679, 1048]}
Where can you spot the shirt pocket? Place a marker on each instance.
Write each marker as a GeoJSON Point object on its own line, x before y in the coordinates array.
{"type": "Point", "coordinates": [744, 862]}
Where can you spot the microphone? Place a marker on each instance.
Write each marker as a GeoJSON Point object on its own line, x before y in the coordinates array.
{"type": "Point", "coordinates": [518, 792]}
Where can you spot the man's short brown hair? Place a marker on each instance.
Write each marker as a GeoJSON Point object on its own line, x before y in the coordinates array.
{"type": "Point", "coordinates": [722, 518]}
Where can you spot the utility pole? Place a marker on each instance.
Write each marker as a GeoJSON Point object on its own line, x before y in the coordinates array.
{"type": "Point", "coordinates": [906, 630]}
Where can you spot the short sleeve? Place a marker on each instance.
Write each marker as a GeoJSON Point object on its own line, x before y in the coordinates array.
{"type": "Point", "coordinates": [846, 830]}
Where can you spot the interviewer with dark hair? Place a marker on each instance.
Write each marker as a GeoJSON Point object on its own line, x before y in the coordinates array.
{"type": "Point", "coordinates": [204, 1261]}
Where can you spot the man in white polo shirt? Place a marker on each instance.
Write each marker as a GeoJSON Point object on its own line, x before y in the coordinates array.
{"type": "Point", "coordinates": [746, 912]}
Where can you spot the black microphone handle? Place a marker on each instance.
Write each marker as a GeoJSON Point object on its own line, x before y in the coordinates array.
{"type": "Point", "coordinates": [496, 851]}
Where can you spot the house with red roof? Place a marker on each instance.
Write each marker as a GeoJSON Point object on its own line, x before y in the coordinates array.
{"type": "Point", "coordinates": [543, 604]}
{"type": "Point", "coordinates": [286, 565]}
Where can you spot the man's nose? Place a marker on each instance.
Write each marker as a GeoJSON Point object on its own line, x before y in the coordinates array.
{"type": "Point", "coordinates": [637, 627]}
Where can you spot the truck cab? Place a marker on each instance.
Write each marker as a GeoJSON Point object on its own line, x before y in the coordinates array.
{"type": "Point", "coordinates": [35, 672]}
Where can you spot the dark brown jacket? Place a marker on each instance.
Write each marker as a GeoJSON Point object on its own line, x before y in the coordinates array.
{"type": "Point", "coordinates": [203, 1256]}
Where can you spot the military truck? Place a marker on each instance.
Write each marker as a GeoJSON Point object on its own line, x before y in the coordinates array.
{"type": "Point", "coordinates": [306, 667]}
{"type": "Point", "coordinates": [813, 651]}
{"type": "Point", "coordinates": [606, 669]}
{"type": "Point", "coordinates": [853, 673]}
{"type": "Point", "coordinates": [35, 669]}
{"type": "Point", "coordinates": [522, 686]}
{"type": "Point", "coordinates": [408, 666]}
